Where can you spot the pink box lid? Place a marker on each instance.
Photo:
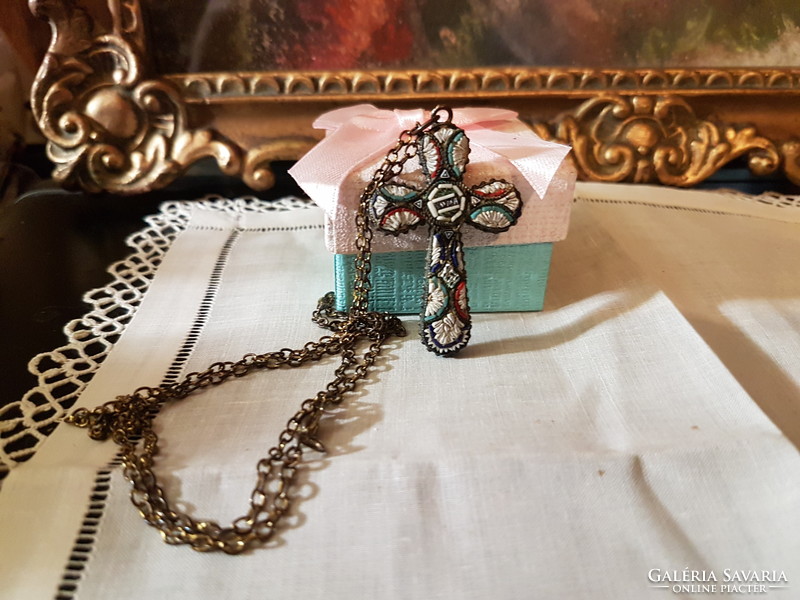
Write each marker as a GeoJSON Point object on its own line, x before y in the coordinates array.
{"type": "Point", "coordinates": [335, 172]}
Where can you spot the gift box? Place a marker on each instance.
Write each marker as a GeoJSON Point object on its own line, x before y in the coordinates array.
{"type": "Point", "coordinates": [506, 271]}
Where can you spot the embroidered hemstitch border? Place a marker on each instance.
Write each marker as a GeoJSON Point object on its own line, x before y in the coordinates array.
{"type": "Point", "coordinates": [63, 373]}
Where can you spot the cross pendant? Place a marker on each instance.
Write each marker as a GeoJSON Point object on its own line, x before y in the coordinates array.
{"type": "Point", "coordinates": [445, 204]}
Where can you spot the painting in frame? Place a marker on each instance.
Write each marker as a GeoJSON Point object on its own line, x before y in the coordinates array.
{"type": "Point", "coordinates": [132, 92]}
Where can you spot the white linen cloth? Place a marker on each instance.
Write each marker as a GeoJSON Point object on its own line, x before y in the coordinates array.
{"type": "Point", "coordinates": [564, 454]}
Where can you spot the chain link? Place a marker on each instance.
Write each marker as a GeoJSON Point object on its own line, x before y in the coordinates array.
{"type": "Point", "coordinates": [128, 420]}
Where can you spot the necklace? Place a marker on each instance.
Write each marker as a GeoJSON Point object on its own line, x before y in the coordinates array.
{"type": "Point", "coordinates": [445, 203]}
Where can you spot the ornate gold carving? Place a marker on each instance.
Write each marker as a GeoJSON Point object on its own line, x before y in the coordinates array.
{"type": "Point", "coordinates": [108, 127]}
{"type": "Point", "coordinates": [791, 158]}
{"type": "Point", "coordinates": [510, 82]}
{"type": "Point", "coordinates": [654, 139]}
{"type": "Point", "coordinates": [257, 172]}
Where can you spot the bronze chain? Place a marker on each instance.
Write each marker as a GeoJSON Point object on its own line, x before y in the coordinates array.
{"type": "Point", "coordinates": [128, 420]}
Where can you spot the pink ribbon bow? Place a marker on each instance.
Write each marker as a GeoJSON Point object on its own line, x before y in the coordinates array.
{"type": "Point", "coordinates": [362, 134]}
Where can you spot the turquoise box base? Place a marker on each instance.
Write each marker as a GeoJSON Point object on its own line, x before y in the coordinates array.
{"type": "Point", "coordinates": [499, 279]}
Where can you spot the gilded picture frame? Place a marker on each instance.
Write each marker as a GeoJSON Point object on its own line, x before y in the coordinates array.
{"type": "Point", "coordinates": [114, 123]}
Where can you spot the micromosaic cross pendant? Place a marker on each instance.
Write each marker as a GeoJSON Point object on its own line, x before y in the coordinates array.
{"type": "Point", "coordinates": [445, 203]}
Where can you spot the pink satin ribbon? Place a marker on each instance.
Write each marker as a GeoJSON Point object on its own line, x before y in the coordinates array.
{"type": "Point", "coordinates": [361, 135]}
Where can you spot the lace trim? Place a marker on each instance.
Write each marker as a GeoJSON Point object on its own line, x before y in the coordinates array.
{"type": "Point", "coordinates": [63, 373]}
{"type": "Point", "coordinates": [768, 198]}
{"type": "Point", "coordinates": [86, 538]}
